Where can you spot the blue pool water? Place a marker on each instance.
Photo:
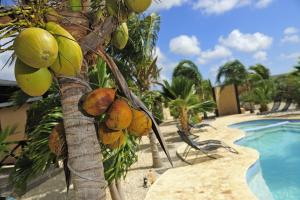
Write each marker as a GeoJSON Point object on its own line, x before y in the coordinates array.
{"type": "Point", "coordinates": [279, 163]}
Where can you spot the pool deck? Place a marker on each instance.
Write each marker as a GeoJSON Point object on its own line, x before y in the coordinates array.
{"type": "Point", "coordinates": [223, 178]}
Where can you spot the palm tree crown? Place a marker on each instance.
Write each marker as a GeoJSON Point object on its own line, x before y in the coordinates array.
{"type": "Point", "coordinates": [233, 72]}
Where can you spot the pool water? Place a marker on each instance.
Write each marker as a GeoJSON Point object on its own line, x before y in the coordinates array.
{"type": "Point", "coordinates": [279, 148]}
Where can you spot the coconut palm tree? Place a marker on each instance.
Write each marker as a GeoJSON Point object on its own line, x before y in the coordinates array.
{"type": "Point", "coordinates": [260, 71]}
{"type": "Point", "coordinates": [233, 72]}
{"type": "Point", "coordinates": [91, 23]}
{"type": "Point", "coordinates": [188, 69]}
{"type": "Point", "coordinates": [181, 96]}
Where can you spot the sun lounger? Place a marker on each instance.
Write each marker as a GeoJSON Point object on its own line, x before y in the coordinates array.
{"type": "Point", "coordinates": [205, 146]}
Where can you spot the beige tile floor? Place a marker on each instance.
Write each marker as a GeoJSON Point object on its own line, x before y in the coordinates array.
{"type": "Point", "coordinates": [223, 178]}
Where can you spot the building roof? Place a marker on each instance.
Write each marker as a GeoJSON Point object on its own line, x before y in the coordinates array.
{"type": "Point", "coordinates": [8, 83]}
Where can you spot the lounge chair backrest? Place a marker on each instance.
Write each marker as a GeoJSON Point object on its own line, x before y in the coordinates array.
{"type": "Point", "coordinates": [287, 105]}
{"type": "Point", "coordinates": [186, 139]}
{"type": "Point", "coordinates": [275, 106]}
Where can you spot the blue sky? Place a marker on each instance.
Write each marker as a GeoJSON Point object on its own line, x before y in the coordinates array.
{"type": "Point", "coordinates": [211, 32]}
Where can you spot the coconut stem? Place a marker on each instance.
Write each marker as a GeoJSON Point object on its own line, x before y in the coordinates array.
{"type": "Point", "coordinates": [75, 5]}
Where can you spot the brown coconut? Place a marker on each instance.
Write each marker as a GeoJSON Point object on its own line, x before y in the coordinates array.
{"type": "Point", "coordinates": [119, 143]}
{"type": "Point", "coordinates": [141, 123]}
{"type": "Point", "coordinates": [98, 101]}
{"type": "Point", "coordinates": [108, 136]}
{"type": "Point", "coordinates": [119, 115]}
{"type": "Point", "coordinates": [55, 143]}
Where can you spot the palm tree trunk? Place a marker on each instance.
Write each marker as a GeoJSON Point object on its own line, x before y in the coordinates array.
{"type": "Point", "coordinates": [114, 193]}
{"type": "Point", "coordinates": [120, 189]}
{"type": "Point", "coordinates": [85, 159]}
{"type": "Point", "coordinates": [156, 160]}
{"type": "Point", "coordinates": [184, 122]}
{"type": "Point", "coordinates": [116, 190]}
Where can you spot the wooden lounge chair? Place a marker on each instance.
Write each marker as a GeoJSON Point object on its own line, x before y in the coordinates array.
{"type": "Point", "coordinates": [286, 107]}
{"type": "Point", "coordinates": [205, 146]}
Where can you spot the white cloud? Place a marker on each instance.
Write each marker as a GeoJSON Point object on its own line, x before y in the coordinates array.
{"type": "Point", "coordinates": [216, 53]}
{"type": "Point", "coordinates": [219, 6]}
{"type": "Point", "coordinates": [290, 30]}
{"type": "Point", "coordinates": [260, 56]}
{"type": "Point", "coordinates": [165, 4]}
{"type": "Point", "coordinates": [185, 45]}
{"type": "Point", "coordinates": [294, 55]}
{"type": "Point", "coordinates": [246, 42]}
{"type": "Point", "coordinates": [7, 73]}
{"type": "Point", "coordinates": [263, 3]}
{"type": "Point", "coordinates": [165, 64]}
{"type": "Point", "coordinates": [160, 56]}
{"type": "Point", "coordinates": [290, 35]}
{"type": "Point", "coordinates": [222, 6]}
{"type": "Point", "coordinates": [291, 39]}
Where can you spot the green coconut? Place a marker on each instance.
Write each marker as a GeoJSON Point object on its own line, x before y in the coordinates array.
{"type": "Point", "coordinates": [32, 81]}
{"type": "Point", "coordinates": [69, 59]}
{"type": "Point", "coordinates": [138, 6]}
{"type": "Point", "coordinates": [120, 36]}
{"type": "Point", "coordinates": [36, 47]}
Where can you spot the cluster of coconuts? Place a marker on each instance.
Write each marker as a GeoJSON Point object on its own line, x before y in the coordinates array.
{"type": "Point", "coordinates": [39, 50]}
{"type": "Point", "coordinates": [120, 116]}
{"type": "Point", "coordinates": [120, 119]}
{"type": "Point", "coordinates": [120, 36]}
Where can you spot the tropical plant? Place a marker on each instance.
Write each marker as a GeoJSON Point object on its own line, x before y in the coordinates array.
{"type": "Point", "coordinates": [261, 94]}
{"type": "Point", "coordinates": [287, 87]}
{"type": "Point", "coordinates": [182, 98]}
{"type": "Point", "coordinates": [297, 69]}
{"type": "Point", "coordinates": [91, 23]}
{"type": "Point", "coordinates": [233, 72]}
{"type": "Point", "coordinates": [4, 133]}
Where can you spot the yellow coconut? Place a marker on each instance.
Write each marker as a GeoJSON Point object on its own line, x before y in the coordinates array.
{"type": "Point", "coordinates": [138, 6]}
{"type": "Point", "coordinates": [119, 115]}
{"type": "Point", "coordinates": [69, 59]}
{"type": "Point", "coordinates": [108, 136]}
{"type": "Point", "coordinates": [120, 36]}
{"type": "Point", "coordinates": [141, 123]}
{"type": "Point", "coordinates": [119, 143]}
{"type": "Point", "coordinates": [36, 47]}
{"type": "Point", "coordinates": [98, 101]}
{"type": "Point", "coordinates": [55, 142]}
{"type": "Point", "coordinates": [32, 81]}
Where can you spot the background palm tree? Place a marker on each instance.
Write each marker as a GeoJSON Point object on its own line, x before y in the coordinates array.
{"type": "Point", "coordinates": [189, 70]}
{"type": "Point", "coordinates": [181, 97]}
{"type": "Point", "coordinates": [260, 71]}
{"type": "Point", "coordinates": [233, 72]}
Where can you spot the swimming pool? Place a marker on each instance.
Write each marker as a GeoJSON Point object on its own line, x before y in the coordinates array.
{"type": "Point", "coordinates": [278, 142]}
